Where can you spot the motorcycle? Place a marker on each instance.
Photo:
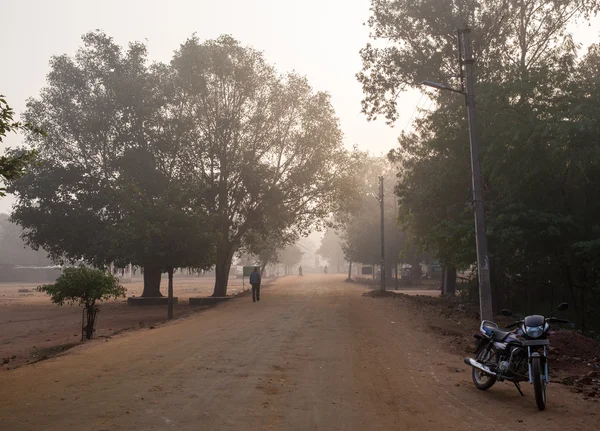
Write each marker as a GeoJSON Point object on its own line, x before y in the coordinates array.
{"type": "Point", "coordinates": [516, 356]}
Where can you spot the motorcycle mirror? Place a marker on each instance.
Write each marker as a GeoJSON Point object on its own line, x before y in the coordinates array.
{"type": "Point", "coordinates": [506, 312]}
{"type": "Point", "coordinates": [562, 307]}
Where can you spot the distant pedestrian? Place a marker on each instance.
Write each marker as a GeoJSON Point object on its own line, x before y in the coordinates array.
{"type": "Point", "coordinates": [255, 280]}
{"type": "Point", "coordinates": [300, 271]}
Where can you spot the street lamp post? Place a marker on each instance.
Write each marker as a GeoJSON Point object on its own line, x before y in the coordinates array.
{"type": "Point", "coordinates": [483, 266]}
{"type": "Point", "coordinates": [381, 207]}
{"type": "Point", "coordinates": [382, 281]}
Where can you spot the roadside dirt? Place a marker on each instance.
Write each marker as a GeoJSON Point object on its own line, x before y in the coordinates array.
{"type": "Point", "coordinates": [32, 328]}
{"type": "Point", "coordinates": [574, 359]}
{"type": "Point", "coordinates": [313, 354]}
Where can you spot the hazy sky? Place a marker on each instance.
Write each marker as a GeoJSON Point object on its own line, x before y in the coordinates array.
{"type": "Point", "coordinates": [317, 38]}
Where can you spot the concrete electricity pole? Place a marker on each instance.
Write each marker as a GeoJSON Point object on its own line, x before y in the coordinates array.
{"type": "Point", "coordinates": [483, 263]}
{"type": "Point", "coordinates": [382, 266]}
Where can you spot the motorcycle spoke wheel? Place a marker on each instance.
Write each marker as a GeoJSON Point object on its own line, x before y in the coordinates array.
{"type": "Point", "coordinates": [539, 383]}
{"type": "Point", "coordinates": [482, 380]}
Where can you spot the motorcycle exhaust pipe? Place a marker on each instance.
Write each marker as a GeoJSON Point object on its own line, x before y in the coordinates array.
{"type": "Point", "coordinates": [479, 366]}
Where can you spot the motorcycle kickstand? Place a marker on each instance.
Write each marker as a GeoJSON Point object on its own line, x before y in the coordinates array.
{"type": "Point", "coordinates": [518, 386]}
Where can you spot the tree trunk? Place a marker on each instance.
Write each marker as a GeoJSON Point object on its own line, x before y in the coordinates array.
{"type": "Point", "coordinates": [170, 301]}
{"type": "Point", "coordinates": [449, 281]}
{"type": "Point", "coordinates": [349, 271]}
{"type": "Point", "coordinates": [415, 271]}
{"type": "Point", "coordinates": [389, 273]}
{"type": "Point", "coordinates": [443, 280]}
{"type": "Point", "coordinates": [91, 313]}
{"type": "Point", "coordinates": [152, 277]}
{"type": "Point", "coordinates": [222, 269]}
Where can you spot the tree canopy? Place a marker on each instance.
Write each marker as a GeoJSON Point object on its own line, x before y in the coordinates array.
{"type": "Point", "coordinates": [268, 147]}
{"type": "Point", "coordinates": [515, 40]}
{"type": "Point", "coordinates": [331, 249]}
{"type": "Point", "coordinates": [538, 120]}
{"type": "Point", "coordinates": [113, 184]}
{"type": "Point", "coordinates": [359, 220]}
{"type": "Point", "coordinates": [179, 164]}
{"type": "Point", "coordinates": [14, 163]}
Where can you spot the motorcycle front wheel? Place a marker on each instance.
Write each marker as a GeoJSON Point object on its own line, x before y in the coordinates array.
{"type": "Point", "coordinates": [482, 380]}
{"type": "Point", "coordinates": [539, 383]}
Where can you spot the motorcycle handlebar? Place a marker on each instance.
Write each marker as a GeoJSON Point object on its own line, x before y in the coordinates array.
{"type": "Point", "coordinates": [513, 325]}
{"type": "Point", "coordinates": [550, 320]}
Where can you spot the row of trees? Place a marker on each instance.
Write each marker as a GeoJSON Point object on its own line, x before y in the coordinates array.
{"type": "Point", "coordinates": [176, 165]}
{"type": "Point", "coordinates": [539, 111]}
{"type": "Point", "coordinates": [356, 229]}
{"type": "Point", "coordinates": [269, 254]}
{"type": "Point", "coordinates": [331, 250]}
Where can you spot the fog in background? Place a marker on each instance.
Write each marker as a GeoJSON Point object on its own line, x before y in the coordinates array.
{"type": "Point", "coordinates": [318, 38]}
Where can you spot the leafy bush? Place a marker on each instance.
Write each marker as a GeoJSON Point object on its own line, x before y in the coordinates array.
{"type": "Point", "coordinates": [84, 286]}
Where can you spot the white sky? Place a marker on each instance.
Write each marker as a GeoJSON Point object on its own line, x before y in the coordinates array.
{"type": "Point", "coordinates": [317, 38]}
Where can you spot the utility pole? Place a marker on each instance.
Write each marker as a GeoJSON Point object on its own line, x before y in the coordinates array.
{"type": "Point", "coordinates": [382, 266]}
{"type": "Point", "coordinates": [485, 289]}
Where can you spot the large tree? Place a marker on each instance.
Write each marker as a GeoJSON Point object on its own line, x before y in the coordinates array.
{"type": "Point", "coordinates": [513, 38]}
{"type": "Point", "coordinates": [289, 257]}
{"type": "Point", "coordinates": [359, 220]}
{"type": "Point", "coordinates": [113, 185]}
{"type": "Point", "coordinates": [266, 247]}
{"type": "Point", "coordinates": [539, 138]}
{"type": "Point", "coordinates": [265, 144]}
{"type": "Point", "coordinates": [331, 249]}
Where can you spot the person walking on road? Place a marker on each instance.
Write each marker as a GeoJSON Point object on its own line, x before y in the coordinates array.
{"type": "Point", "coordinates": [255, 280]}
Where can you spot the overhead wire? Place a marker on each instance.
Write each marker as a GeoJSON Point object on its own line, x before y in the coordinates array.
{"type": "Point", "coordinates": [421, 110]}
{"type": "Point", "coordinates": [404, 130]}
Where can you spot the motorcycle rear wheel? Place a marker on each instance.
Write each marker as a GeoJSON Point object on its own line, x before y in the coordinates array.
{"type": "Point", "coordinates": [482, 380]}
{"type": "Point", "coordinates": [539, 383]}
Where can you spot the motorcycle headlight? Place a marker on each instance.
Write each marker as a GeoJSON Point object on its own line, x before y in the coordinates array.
{"type": "Point", "coordinates": [534, 331]}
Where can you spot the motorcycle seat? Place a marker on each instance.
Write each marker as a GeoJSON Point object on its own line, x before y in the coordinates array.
{"type": "Point", "coordinates": [500, 335]}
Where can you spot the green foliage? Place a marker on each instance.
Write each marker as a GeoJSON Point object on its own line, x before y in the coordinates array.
{"type": "Point", "coordinates": [115, 183]}
{"type": "Point", "coordinates": [178, 164]}
{"type": "Point", "coordinates": [268, 147]}
{"type": "Point", "coordinates": [331, 249]}
{"type": "Point", "coordinates": [266, 246]}
{"type": "Point", "coordinates": [83, 286]}
{"type": "Point", "coordinates": [539, 126]}
{"type": "Point", "coordinates": [359, 220]}
{"type": "Point", "coordinates": [291, 255]}
{"type": "Point", "coordinates": [14, 163]}
{"type": "Point", "coordinates": [513, 39]}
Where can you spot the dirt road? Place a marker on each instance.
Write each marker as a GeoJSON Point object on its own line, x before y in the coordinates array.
{"type": "Point", "coordinates": [313, 354]}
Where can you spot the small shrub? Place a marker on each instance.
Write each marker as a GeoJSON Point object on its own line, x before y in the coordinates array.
{"type": "Point", "coordinates": [86, 287]}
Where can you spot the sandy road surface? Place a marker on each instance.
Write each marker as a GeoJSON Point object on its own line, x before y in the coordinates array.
{"type": "Point", "coordinates": [312, 355]}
